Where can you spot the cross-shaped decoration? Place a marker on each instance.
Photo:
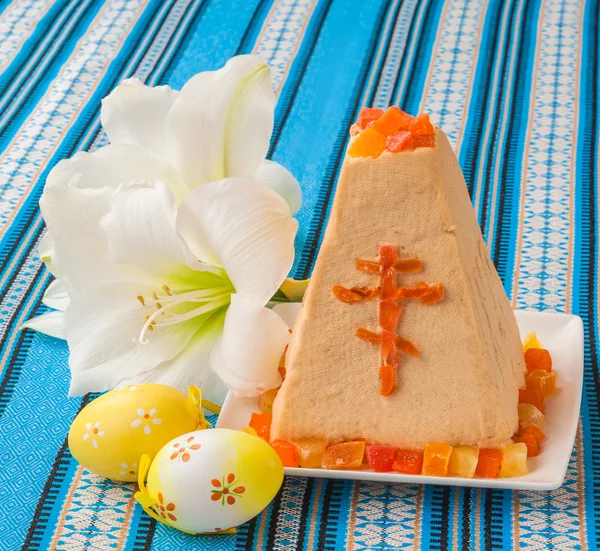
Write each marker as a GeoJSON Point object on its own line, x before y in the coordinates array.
{"type": "Point", "coordinates": [390, 308]}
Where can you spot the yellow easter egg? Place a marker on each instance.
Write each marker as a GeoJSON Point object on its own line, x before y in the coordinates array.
{"type": "Point", "coordinates": [110, 434]}
{"type": "Point", "coordinates": [211, 480]}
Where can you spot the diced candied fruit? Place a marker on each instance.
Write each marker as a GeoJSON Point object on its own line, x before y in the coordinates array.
{"type": "Point", "coordinates": [387, 377]}
{"type": "Point", "coordinates": [389, 314]}
{"type": "Point", "coordinates": [369, 266]}
{"type": "Point", "coordinates": [406, 347]}
{"type": "Point", "coordinates": [408, 462]}
{"type": "Point", "coordinates": [348, 455]}
{"type": "Point", "coordinates": [408, 265]}
{"type": "Point", "coordinates": [388, 285]}
{"type": "Point", "coordinates": [286, 452]}
{"type": "Point", "coordinates": [421, 126]}
{"type": "Point", "coordinates": [388, 344]}
{"type": "Point", "coordinates": [538, 358]}
{"type": "Point", "coordinates": [249, 430]}
{"type": "Point", "coordinates": [388, 254]}
{"type": "Point", "coordinates": [410, 293]}
{"type": "Point", "coordinates": [531, 341]}
{"type": "Point", "coordinates": [399, 142]}
{"type": "Point", "coordinates": [535, 430]}
{"type": "Point", "coordinates": [368, 336]}
{"type": "Point", "coordinates": [533, 447]}
{"type": "Point", "coordinates": [529, 414]}
{"type": "Point", "coordinates": [261, 423]}
{"type": "Point", "coordinates": [310, 452]}
{"type": "Point", "coordinates": [534, 397]}
{"type": "Point", "coordinates": [436, 457]}
{"type": "Point", "coordinates": [369, 143]}
{"type": "Point", "coordinates": [463, 461]}
{"type": "Point", "coordinates": [266, 399]}
{"type": "Point", "coordinates": [544, 381]}
{"type": "Point", "coordinates": [392, 121]}
{"type": "Point", "coordinates": [435, 295]}
{"type": "Point", "coordinates": [488, 465]}
{"type": "Point", "coordinates": [354, 294]}
{"type": "Point", "coordinates": [514, 460]}
{"type": "Point", "coordinates": [423, 141]}
{"type": "Point", "coordinates": [380, 458]}
{"type": "Point", "coordinates": [367, 116]}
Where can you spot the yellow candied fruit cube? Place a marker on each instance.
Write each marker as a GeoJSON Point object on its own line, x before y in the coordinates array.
{"type": "Point", "coordinates": [544, 381]}
{"type": "Point", "coordinates": [530, 415]}
{"type": "Point", "coordinates": [266, 399]}
{"type": "Point", "coordinates": [514, 461]}
{"type": "Point", "coordinates": [310, 452]}
{"type": "Point", "coordinates": [463, 461]}
{"type": "Point", "coordinates": [531, 341]}
{"type": "Point", "coordinates": [250, 430]}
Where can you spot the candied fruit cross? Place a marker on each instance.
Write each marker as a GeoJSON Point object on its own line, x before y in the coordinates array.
{"type": "Point", "coordinates": [463, 461]}
{"type": "Point", "coordinates": [529, 414]}
{"type": "Point", "coordinates": [369, 143]}
{"type": "Point", "coordinates": [529, 439]}
{"type": "Point", "coordinates": [387, 378]}
{"type": "Point", "coordinates": [408, 265]}
{"type": "Point", "coordinates": [514, 460]}
{"type": "Point", "coordinates": [408, 461]}
{"type": "Point", "coordinates": [533, 397]}
{"type": "Point", "coordinates": [538, 358]}
{"type": "Point", "coordinates": [348, 455]}
{"type": "Point", "coordinates": [402, 345]}
{"type": "Point", "coordinates": [436, 457]}
{"type": "Point", "coordinates": [435, 295]}
{"type": "Point", "coordinates": [489, 462]}
{"type": "Point", "coordinates": [266, 399]}
{"type": "Point", "coordinates": [261, 423]}
{"type": "Point", "coordinates": [421, 126]}
{"type": "Point", "coordinates": [367, 116]}
{"type": "Point", "coordinates": [354, 294]}
{"type": "Point", "coordinates": [286, 452]}
{"type": "Point", "coordinates": [368, 266]}
{"type": "Point", "coordinates": [389, 314]}
{"type": "Point", "coordinates": [544, 381]}
{"type": "Point", "coordinates": [392, 121]}
{"type": "Point", "coordinates": [380, 458]}
{"type": "Point", "coordinates": [310, 452]}
{"type": "Point", "coordinates": [400, 141]}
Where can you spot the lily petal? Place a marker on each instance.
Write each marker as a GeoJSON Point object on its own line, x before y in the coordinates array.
{"type": "Point", "coordinates": [56, 296]}
{"type": "Point", "coordinates": [247, 356]}
{"type": "Point", "coordinates": [134, 113]}
{"type": "Point", "coordinates": [50, 323]}
{"type": "Point", "coordinates": [221, 122]}
{"type": "Point", "coordinates": [244, 227]}
{"type": "Point", "coordinates": [46, 252]}
{"type": "Point", "coordinates": [280, 180]}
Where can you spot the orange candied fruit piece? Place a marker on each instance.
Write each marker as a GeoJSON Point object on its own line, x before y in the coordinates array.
{"type": "Point", "coordinates": [387, 377]}
{"type": "Point", "coordinates": [388, 286]}
{"type": "Point", "coordinates": [399, 142]}
{"type": "Point", "coordinates": [406, 347]}
{"type": "Point", "coordinates": [369, 266]}
{"type": "Point", "coordinates": [388, 254]}
{"type": "Point", "coordinates": [533, 397]}
{"type": "Point", "coordinates": [544, 381]}
{"type": "Point", "coordinates": [436, 457]}
{"type": "Point", "coordinates": [435, 295]}
{"type": "Point", "coordinates": [533, 446]}
{"type": "Point", "coordinates": [425, 140]}
{"type": "Point", "coordinates": [286, 452]}
{"type": "Point", "coordinates": [368, 336]}
{"type": "Point", "coordinates": [354, 294]}
{"type": "Point", "coordinates": [421, 126]}
{"type": "Point", "coordinates": [348, 455]}
{"type": "Point", "coordinates": [538, 358]}
{"type": "Point", "coordinates": [310, 452]}
{"type": "Point", "coordinates": [408, 462]}
{"type": "Point", "coordinates": [488, 465]}
{"type": "Point", "coordinates": [369, 143]}
{"type": "Point", "coordinates": [536, 431]}
{"type": "Point", "coordinates": [380, 458]}
{"type": "Point", "coordinates": [409, 293]}
{"type": "Point", "coordinates": [367, 116]}
{"type": "Point", "coordinates": [392, 121]}
{"type": "Point", "coordinates": [261, 423]}
{"type": "Point", "coordinates": [389, 314]}
{"type": "Point", "coordinates": [408, 265]}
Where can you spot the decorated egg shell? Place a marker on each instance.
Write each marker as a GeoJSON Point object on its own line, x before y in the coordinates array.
{"type": "Point", "coordinates": [110, 434]}
{"type": "Point", "coordinates": [209, 481]}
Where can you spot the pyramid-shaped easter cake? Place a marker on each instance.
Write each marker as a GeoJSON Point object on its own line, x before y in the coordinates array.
{"type": "Point", "coordinates": [406, 335]}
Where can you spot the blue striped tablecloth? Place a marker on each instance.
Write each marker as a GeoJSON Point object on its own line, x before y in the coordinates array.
{"type": "Point", "coordinates": [513, 82]}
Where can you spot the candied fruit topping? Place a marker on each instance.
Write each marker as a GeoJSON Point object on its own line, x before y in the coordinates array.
{"type": "Point", "coordinates": [406, 347]}
{"type": "Point", "coordinates": [310, 452]}
{"type": "Point", "coordinates": [368, 336]}
{"type": "Point", "coordinates": [408, 461]}
{"type": "Point", "coordinates": [388, 285]}
{"type": "Point", "coordinates": [369, 266]}
{"type": "Point", "coordinates": [514, 460]}
{"type": "Point", "coordinates": [531, 341]}
{"type": "Point", "coordinates": [348, 455]}
{"type": "Point", "coordinates": [423, 141]}
{"type": "Point", "coordinates": [369, 143]}
{"type": "Point", "coordinates": [367, 116]}
{"type": "Point", "coordinates": [489, 463]}
{"type": "Point", "coordinates": [544, 381]}
{"type": "Point", "coordinates": [393, 121]}
{"type": "Point", "coordinates": [266, 399]}
{"type": "Point", "coordinates": [408, 265]}
{"type": "Point", "coordinates": [420, 291]}
{"type": "Point", "coordinates": [286, 452]}
{"type": "Point", "coordinates": [261, 423]}
{"type": "Point", "coordinates": [535, 430]}
{"type": "Point", "coordinates": [529, 414]}
{"type": "Point", "coordinates": [436, 458]}
{"type": "Point", "coordinates": [421, 126]}
{"type": "Point", "coordinates": [463, 461]}
{"type": "Point", "coordinates": [533, 397]}
{"type": "Point", "coordinates": [533, 446]}
{"type": "Point", "coordinates": [387, 377]}
{"type": "Point", "coordinates": [389, 314]}
{"type": "Point", "coordinates": [435, 295]}
{"type": "Point", "coordinates": [354, 294]}
{"type": "Point", "coordinates": [400, 141]}
{"type": "Point", "coordinates": [538, 358]}
{"type": "Point", "coordinates": [387, 256]}
{"type": "Point", "coordinates": [380, 458]}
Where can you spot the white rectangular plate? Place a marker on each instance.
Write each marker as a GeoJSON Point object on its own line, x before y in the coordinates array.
{"type": "Point", "coordinates": [561, 334]}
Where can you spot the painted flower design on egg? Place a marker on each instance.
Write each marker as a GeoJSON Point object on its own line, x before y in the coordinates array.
{"type": "Point", "coordinates": [147, 419]}
{"type": "Point", "coordinates": [126, 469]}
{"type": "Point", "coordinates": [182, 451]}
{"type": "Point", "coordinates": [92, 433]}
{"type": "Point", "coordinates": [165, 508]}
{"type": "Point", "coordinates": [225, 493]}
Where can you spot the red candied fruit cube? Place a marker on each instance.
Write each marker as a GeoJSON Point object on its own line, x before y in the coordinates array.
{"type": "Point", "coordinates": [421, 125]}
{"type": "Point", "coordinates": [392, 121]}
{"type": "Point", "coordinates": [367, 116]}
{"type": "Point", "coordinates": [380, 458]}
{"type": "Point", "coordinates": [488, 465]}
{"type": "Point", "coordinates": [538, 358]}
{"type": "Point", "coordinates": [399, 142]}
{"type": "Point", "coordinates": [408, 462]}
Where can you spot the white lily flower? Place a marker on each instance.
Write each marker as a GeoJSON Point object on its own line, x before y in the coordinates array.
{"type": "Point", "coordinates": [160, 293]}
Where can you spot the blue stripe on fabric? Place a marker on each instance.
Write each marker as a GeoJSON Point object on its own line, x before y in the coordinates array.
{"type": "Point", "coordinates": [253, 29]}
{"type": "Point", "coordinates": [427, 517]}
